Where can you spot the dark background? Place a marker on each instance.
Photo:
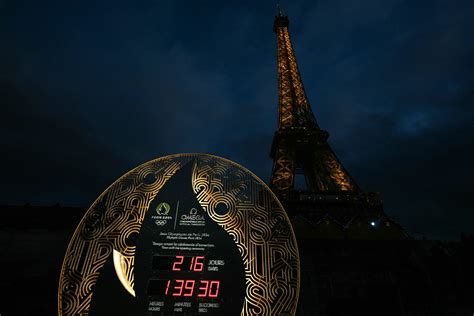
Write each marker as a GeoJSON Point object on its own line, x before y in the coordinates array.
{"type": "Point", "coordinates": [91, 89]}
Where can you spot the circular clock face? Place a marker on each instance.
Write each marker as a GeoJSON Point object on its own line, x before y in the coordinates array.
{"type": "Point", "coordinates": [188, 234]}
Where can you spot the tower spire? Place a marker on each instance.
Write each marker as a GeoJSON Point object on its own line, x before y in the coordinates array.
{"type": "Point", "coordinates": [294, 108]}
{"type": "Point", "coordinates": [279, 13]}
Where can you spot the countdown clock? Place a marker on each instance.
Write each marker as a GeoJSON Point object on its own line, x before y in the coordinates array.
{"type": "Point", "coordinates": [189, 234]}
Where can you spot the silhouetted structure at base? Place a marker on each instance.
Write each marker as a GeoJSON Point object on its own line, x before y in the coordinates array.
{"type": "Point", "coordinates": [340, 277]}
{"type": "Point", "coordinates": [33, 241]}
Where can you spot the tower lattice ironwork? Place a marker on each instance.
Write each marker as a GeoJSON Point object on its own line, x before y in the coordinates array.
{"type": "Point", "coordinates": [326, 192]}
{"type": "Point", "coordinates": [299, 145]}
{"type": "Point", "coordinates": [352, 254]}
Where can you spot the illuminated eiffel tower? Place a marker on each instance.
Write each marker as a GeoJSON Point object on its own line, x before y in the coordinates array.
{"type": "Point", "coordinates": [318, 193]}
{"type": "Point", "coordinates": [355, 260]}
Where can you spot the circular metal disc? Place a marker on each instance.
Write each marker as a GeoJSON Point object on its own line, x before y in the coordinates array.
{"type": "Point", "coordinates": [235, 216]}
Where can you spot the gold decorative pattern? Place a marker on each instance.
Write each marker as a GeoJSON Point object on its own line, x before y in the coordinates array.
{"type": "Point", "coordinates": [255, 220]}
{"type": "Point", "coordinates": [259, 226]}
{"type": "Point", "coordinates": [124, 268]}
{"type": "Point", "coordinates": [114, 216]}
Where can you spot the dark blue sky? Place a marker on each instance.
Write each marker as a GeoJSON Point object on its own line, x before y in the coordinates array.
{"type": "Point", "coordinates": [91, 89]}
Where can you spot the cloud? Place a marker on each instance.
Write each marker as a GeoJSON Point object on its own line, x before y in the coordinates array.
{"type": "Point", "coordinates": [47, 157]}
{"type": "Point", "coordinates": [89, 92]}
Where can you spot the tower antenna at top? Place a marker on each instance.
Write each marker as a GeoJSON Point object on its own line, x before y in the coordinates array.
{"type": "Point", "coordinates": [279, 9]}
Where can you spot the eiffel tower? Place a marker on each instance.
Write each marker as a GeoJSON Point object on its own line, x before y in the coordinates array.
{"type": "Point", "coordinates": [326, 202]}
{"type": "Point", "coordinates": [355, 260]}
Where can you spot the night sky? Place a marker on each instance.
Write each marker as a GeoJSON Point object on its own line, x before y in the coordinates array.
{"type": "Point", "coordinates": [91, 89]}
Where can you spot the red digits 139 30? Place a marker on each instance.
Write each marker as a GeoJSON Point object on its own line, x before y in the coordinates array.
{"type": "Point", "coordinates": [188, 288]}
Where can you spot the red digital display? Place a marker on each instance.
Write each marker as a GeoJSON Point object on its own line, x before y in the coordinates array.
{"type": "Point", "coordinates": [184, 287]}
{"type": "Point", "coordinates": [196, 265]}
